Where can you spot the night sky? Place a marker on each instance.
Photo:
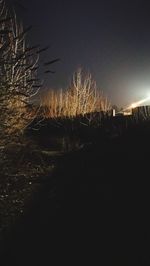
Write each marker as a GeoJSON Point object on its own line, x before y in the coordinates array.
{"type": "Point", "coordinates": [109, 38]}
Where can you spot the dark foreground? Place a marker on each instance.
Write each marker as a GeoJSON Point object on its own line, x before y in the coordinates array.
{"type": "Point", "coordinates": [94, 209]}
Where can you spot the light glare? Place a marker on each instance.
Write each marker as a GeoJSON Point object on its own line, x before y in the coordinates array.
{"type": "Point", "coordinates": [134, 105]}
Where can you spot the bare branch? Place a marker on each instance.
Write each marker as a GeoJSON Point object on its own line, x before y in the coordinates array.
{"type": "Point", "coordinates": [52, 62]}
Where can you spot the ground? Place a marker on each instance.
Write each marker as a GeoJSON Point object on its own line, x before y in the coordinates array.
{"type": "Point", "coordinates": [92, 208]}
{"type": "Point", "coordinates": [23, 167]}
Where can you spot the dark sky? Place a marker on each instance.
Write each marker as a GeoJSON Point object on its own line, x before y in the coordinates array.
{"type": "Point", "coordinates": [109, 38]}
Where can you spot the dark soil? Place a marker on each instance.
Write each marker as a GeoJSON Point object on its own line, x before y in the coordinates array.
{"type": "Point", "coordinates": [93, 209]}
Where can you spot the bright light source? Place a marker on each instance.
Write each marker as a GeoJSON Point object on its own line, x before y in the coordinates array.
{"type": "Point", "coordinates": [133, 105]}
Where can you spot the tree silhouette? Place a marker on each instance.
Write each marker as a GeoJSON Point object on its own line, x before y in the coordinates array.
{"type": "Point", "coordinates": [18, 73]}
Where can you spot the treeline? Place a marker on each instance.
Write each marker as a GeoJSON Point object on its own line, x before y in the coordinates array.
{"type": "Point", "coordinates": [80, 98]}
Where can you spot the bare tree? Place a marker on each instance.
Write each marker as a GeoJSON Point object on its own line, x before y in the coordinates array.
{"type": "Point", "coordinates": [84, 93]}
{"type": "Point", "coordinates": [18, 74]}
{"type": "Point", "coordinates": [82, 97]}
